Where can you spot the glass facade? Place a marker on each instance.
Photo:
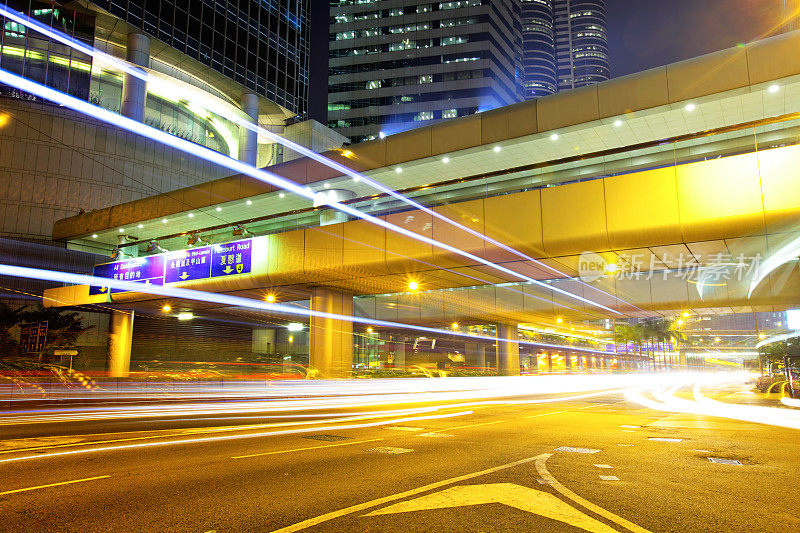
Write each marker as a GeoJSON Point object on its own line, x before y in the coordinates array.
{"type": "Point", "coordinates": [36, 57]}
{"type": "Point", "coordinates": [261, 44]}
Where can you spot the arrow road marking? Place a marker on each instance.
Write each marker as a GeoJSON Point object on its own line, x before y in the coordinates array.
{"type": "Point", "coordinates": [523, 498]}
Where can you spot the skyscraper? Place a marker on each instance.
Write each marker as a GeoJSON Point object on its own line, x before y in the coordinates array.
{"type": "Point", "coordinates": [565, 45]}
{"type": "Point", "coordinates": [397, 65]}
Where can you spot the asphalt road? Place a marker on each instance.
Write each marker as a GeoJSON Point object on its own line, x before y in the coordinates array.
{"type": "Point", "coordinates": [599, 464]}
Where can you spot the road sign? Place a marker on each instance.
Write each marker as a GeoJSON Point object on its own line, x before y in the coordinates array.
{"type": "Point", "coordinates": [231, 259]}
{"type": "Point", "coordinates": [188, 265]}
{"type": "Point", "coordinates": [148, 270]}
{"type": "Point", "coordinates": [218, 260]}
{"type": "Point", "coordinates": [33, 337]}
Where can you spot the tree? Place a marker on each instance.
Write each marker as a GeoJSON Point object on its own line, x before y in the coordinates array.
{"type": "Point", "coordinates": [63, 327]}
{"type": "Point", "coordinates": [9, 318]}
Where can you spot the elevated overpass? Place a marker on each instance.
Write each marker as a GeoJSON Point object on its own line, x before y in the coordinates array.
{"type": "Point", "coordinates": [688, 166]}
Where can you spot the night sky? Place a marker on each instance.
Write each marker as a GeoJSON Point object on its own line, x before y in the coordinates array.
{"type": "Point", "coordinates": [642, 34]}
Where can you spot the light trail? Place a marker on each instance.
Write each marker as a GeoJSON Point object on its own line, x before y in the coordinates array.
{"type": "Point", "coordinates": [339, 395]}
{"type": "Point", "coordinates": [232, 437]}
{"type": "Point", "coordinates": [665, 400]}
{"type": "Point", "coordinates": [225, 299]}
{"type": "Point", "coordinates": [141, 74]}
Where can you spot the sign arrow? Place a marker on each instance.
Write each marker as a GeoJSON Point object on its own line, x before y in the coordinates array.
{"type": "Point", "coordinates": [183, 275]}
{"type": "Point", "coordinates": [103, 289]}
{"type": "Point", "coordinates": [523, 498]}
{"type": "Point", "coordinates": [227, 269]}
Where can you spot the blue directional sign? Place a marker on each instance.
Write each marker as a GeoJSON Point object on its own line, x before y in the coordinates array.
{"type": "Point", "coordinates": [188, 265]}
{"type": "Point", "coordinates": [231, 259]}
{"type": "Point", "coordinates": [139, 270]}
{"type": "Point", "coordinates": [218, 260]}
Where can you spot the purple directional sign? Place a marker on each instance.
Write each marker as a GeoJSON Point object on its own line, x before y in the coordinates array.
{"type": "Point", "coordinates": [139, 270]}
{"type": "Point", "coordinates": [187, 265]}
{"type": "Point", "coordinates": [231, 259]}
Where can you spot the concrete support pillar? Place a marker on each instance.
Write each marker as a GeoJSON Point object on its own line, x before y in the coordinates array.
{"type": "Point", "coordinates": [134, 90]}
{"type": "Point", "coordinates": [248, 139]}
{"type": "Point", "coordinates": [507, 350]}
{"type": "Point", "coordinates": [400, 353]}
{"type": "Point", "coordinates": [332, 216]}
{"type": "Point", "coordinates": [263, 341]}
{"type": "Point", "coordinates": [330, 345]}
{"type": "Point", "coordinates": [119, 346]}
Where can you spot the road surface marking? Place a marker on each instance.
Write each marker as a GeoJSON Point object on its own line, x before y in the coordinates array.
{"type": "Point", "coordinates": [624, 444]}
{"type": "Point", "coordinates": [593, 405]}
{"type": "Point", "coordinates": [571, 449]}
{"type": "Point", "coordinates": [303, 449]}
{"type": "Point", "coordinates": [386, 499]}
{"type": "Point", "coordinates": [435, 435]}
{"type": "Point", "coordinates": [609, 478]}
{"type": "Point", "coordinates": [596, 509]}
{"type": "Point", "coordinates": [523, 498]}
{"type": "Point", "coordinates": [391, 450]}
{"type": "Point", "coordinates": [404, 428]}
{"type": "Point", "coordinates": [545, 414]}
{"type": "Point", "coordinates": [725, 461]}
{"type": "Point", "coordinates": [630, 427]}
{"type": "Point", "coordinates": [603, 466]}
{"type": "Point", "coordinates": [664, 439]}
{"type": "Point", "coordinates": [53, 485]}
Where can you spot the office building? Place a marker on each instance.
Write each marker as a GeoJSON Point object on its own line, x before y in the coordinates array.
{"type": "Point", "coordinates": [565, 45]}
{"type": "Point", "coordinates": [396, 65]}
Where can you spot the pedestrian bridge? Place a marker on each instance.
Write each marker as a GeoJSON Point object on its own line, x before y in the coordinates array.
{"type": "Point", "coordinates": [679, 182]}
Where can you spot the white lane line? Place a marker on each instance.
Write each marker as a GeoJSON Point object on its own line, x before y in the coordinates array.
{"type": "Point", "coordinates": [434, 435]}
{"type": "Point", "coordinates": [664, 439]}
{"type": "Point", "coordinates": [609, 478]}
{"type": "Point", "coordinates": [603, 466]}
{"type": "Point", "coordinates": [403, 428]}
{"type": "Point", "coordinates": [572, 449]}
{"type": "Point", "coordinates": [608, 515]}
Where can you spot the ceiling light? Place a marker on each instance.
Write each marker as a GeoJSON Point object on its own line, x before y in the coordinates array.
{"type": "Point", "coordinates": [381, 135]}
{"type": "Point", "coordinates": [270, 298]}
{"type": "Point", "coordinates": [140, 226]}
{"type": "Point", "coordinates": [496, 149]}
{"type": "Point", "coordinates": [326, 185]}
{"type": "Point", "coordinates": [94, 236]}
{"type": "Point", "coordinates": [370, 330]}
{"type": "Point", "coordinates": [185, 316]}
{"type": "Point", "coordinates": [164, 220]}
{"type": "Point", "coordinates": [445, 160]}
{"type": "Point", "coordinates": [347, 153]}
{"type": "Point", "coordinates": [412, 286]}
{"type": "Point", "coordinates": [398, 170]}
{"type": "Point", "coordinates": [281, 195]}
{"type": "Point", "coordinates": [356, 179]}
{"type": "Point", "coordinates": [190, 215]}
{"type": "Point", "coordinates": [167, 308]}
{"type": "Point", "coordinates": [774, 88]}
{"type": "Point", "coordinates": [295, 326]}
{"type": "Point", "coordinates": [218, 209]}
{"type": "Point", "coordinates": [690, 107]}
{"type": "Point", "coordinates": [454, 325]}
{"type": "Point", "coordinates": [554, 137]}
{"type": "Point", "coordinates": [617, 123]}
{"type": "Point", "coordinates": [559, 320]}
{"type": "Point", "coordinates": [121, 230]}
{"type": "Point", "coordinates": [249, 202]}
